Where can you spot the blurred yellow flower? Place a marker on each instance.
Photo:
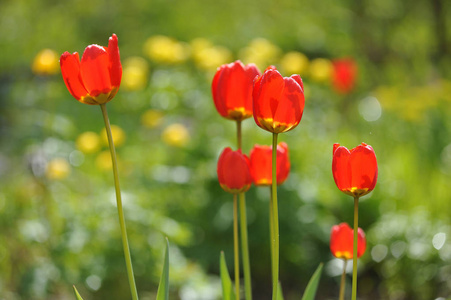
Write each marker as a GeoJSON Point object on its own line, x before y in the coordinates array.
{"type": "Point", "coordinates": [211, 58]}
{"type": "Point", "coordinates": [207, 56]}
{"type": "Point", "coordinates": [176, 135]}
{"type": "Point", "coordinates": [57, 169]}
{"type": "Point", "coordinates": [88, 142]}
{"type": "Point", "coordinates": [151, 118]}
{"type": "Point", "coordinates": [294, 63]}
{"type": "Point", "coordinates": [260, 52]}
{"type": "Point", "coordinates": [135, 72]}
{"type": "Point", "coordinates": [163, 49]}
{"type": "Point", "coordinates": [103, 161]}
{"type": "Point", "coordinates": [199, 44]}
{"type": "Point", "coordinates": [320, 70]}
{"type": "Point", "coordinates": [46, 62]}
{"type": "Point", "coordinates": [117, 133]}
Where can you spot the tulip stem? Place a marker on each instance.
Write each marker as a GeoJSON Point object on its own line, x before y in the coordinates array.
{"type": "Point", "coordinates": [245, 248]}
{"type": "Point", "coordinates": [235, 246]}
{"type": "Point", "coordinates": [354, 254]}
{"type": "Point", "coordinates": [238, 134]}
{"type": "Point", "coordinates": [271, 228]}
{"type": "Point", "coordinates": [243, 230]}
{"type": "Point", "coordinates": [128, 260]}
{"type": "Point", "coordinates": [343, 281]}
{"type": "Point", "coordinates": [275, 212]}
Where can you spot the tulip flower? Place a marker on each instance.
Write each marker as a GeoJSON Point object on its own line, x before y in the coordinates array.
{"type": "Point", "coordinates": [96, 79]}
{"type": "Point", "coordinates": [233, 171]}
{"type": "Point", "coordinates": [278, 101]}
{"type": "Point", "coordinates": [261, 164]}
{"type": "Point", "coordinates": [342, 246]}
{"type": "Point", "coordinates": [344, 75]}
{"type": "Point", "coordinates": [232, 90]}
{"type": "Point", "coordinates": [355, 171]}
{"type": "Point", "coordinates": [341, 241]}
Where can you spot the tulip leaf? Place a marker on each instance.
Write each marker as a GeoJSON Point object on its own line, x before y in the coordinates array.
{"type": "Point", "coordinates": [76, 293]}
{"type": "Point", "coordinates": [227, 289]}
{"type": "Point", "coordinates": [279, 292]}
{"type": "Point", "coordinates": [312, 286]}
{"type": "Point", "coordinates": [163, 288]}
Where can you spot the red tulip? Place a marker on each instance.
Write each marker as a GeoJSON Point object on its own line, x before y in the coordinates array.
{"type": "Point", "coordinates": [232, 90]}
{"type": "Point", "coordinates": [342, 241]}
{"type": "Point", "coordinates": [344, 75]}
{"type": "Point", "coordinates": [96, 79]}
{"type": "Point", "coordinates": [355, 171]}
{"type": "Point", "coordinates": [233, 171]}
{"type": "Point", "coordinates": [278, 101]}
{"type": "Point", "coordinates": [261, 164]}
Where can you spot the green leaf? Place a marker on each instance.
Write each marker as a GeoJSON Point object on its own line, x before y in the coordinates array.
{"type": "Point", "coordinates": [279, 292]}
{"type": "Point", "coordinates": [163, 288]}
{"type": "Point", "coordinates": [227, 289]}
{"type": "Point", "coordinates": [77, 294]}
{"type": "Point", "coordinates": [312, 286]}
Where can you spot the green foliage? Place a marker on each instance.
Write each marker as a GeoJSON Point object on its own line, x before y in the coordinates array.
{"type": "Point", "coordinates": [227, 288]}
{"type": "Point", "coordinates": [310, 290]}
{"type": "Point", "coordinates": [163, 288]}
{"type": "Point", "coordinates": [77, 295]}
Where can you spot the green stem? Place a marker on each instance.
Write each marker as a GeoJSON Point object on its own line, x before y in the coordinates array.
{"type": "Point", "coordinates": [238, 133]}
{"type": "Point", "coordinates": [235, 246]}
{"type": "Point", "coordinates": [343, 281]}
{"type": "Point", "coordinates": [245, 248]}
{"type": "Point", "coordinates": [243, 230]}
{"type": "Point", "coordinates": [271, 228]}
{"type": "Point", "coordinates": [128, 260]}
{"type": "Point", "coordinates": [354, 254]}
{"type": "Point", "coordinates": [275, 211]}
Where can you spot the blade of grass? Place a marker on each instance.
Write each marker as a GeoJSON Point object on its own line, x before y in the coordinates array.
{"type": "Point", "coordinates": [227, 290]}
{"type": "Point", "coordinates": [279, 292]}
{"type": "Point", "coordinates": [312, 286]}
{"type": "Point", "coordinates": [76, 293]}
{"type": "Point", "coordinates": [163, 288]}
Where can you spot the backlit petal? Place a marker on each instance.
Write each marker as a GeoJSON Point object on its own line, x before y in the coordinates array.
{"type": "Point", "coordinates": [115, 67]}
{"type": "Point", "coordinates": [340, 168]}
{"type": "Point", "coordinates": [291, 104]}
{"type": "Point", "coordinates": [70, 69]}
{"type": "Point", "coordinates": [363, 166]}
{"type": "Point", "coordinates": [95, 70]}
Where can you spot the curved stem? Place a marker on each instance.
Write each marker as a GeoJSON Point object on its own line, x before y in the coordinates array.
{"type": "Point", "coordinates": [235, 246]}
{"type": "Point", "coordinates": [128, 260]}
{"type": "Point", "coordinates": [275, 211]}
{"type": "Point", "coordinates": [343, 281]}
{"type": "Point", "coordinates": [354, 254]}
{"type": "Point", "coordinates": [245, 248]}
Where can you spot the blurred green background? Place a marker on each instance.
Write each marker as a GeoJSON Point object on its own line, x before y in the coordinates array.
{"type": "Point", "coordinates": [58, 220]}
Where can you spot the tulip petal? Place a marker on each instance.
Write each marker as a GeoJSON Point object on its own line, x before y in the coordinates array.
{"type": "Point", "coordinates": [267, 91]}
{"type": "Point", "coordinates": [70, 69]}
{"type": "Point", "coordinates": [340, 168]}
{"type": "Point", "coordinates": [233, 171]}
{"type": "Point", "coordinates": [261, 165]}
{"type": "Point", "coordinates": [361, 242]}
{"type": "Point", "coordinates": [115, 67]}
{"type": "Point", "coordinates": [363, 167]}
{"type": "Point", "coordinates": [342, 241]}
{"type": "Point", "coordinates": [232, 90]}
{"type": "Point", "coordinates": [95, 70]}
{"type": "Point", "coordinates": [291, 104]}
